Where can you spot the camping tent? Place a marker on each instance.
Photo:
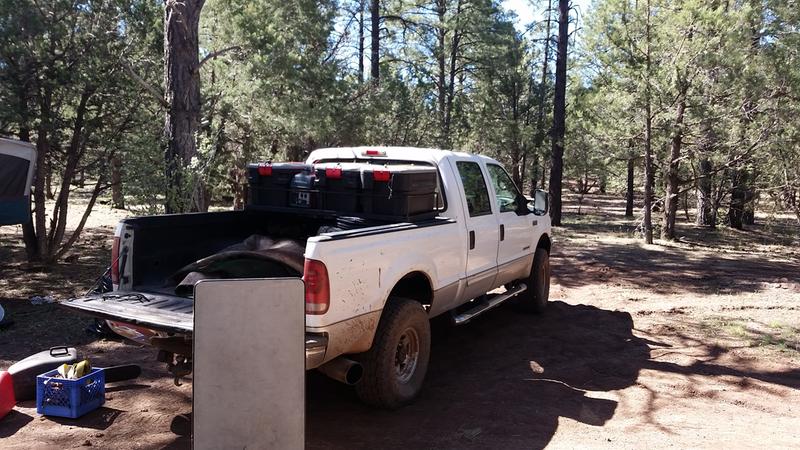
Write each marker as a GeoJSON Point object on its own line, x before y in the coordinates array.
{"type": "Point", "coordinates": [17, 163]}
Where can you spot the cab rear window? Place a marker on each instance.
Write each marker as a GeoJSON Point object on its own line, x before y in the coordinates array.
{"type": "Point", "coordinates": [475, 190]}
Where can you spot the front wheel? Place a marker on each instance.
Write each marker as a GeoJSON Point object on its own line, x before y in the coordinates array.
{"type": "Point", "coordinates": [395, 366]}
{"type": "Point", "coordinates": [534, 299]}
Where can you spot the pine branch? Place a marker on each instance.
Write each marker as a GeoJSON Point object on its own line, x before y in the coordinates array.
{"type": "Point", "coordinates": [215, 54]}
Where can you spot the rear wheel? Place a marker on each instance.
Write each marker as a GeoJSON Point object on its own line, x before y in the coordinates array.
{"type": "Point", "coordinates": [534, 299]}
{"type": "Point", "coordinates": [395, 366]}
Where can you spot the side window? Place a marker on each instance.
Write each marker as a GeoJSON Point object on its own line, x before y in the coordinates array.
{"type": "Point", "coordinates": [504, 188]}
{"type": "Point", "coordinates": [474, 188]}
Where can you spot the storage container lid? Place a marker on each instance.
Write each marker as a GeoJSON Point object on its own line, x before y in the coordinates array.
{"type": "Point", "coordinates": [266, 168]}
{"type": "Point", "coordinates": [387, 172]}
{"type": "Point", "coordinates": [281, 165]}
{"type": "Point", "coordinates": [399, 168]}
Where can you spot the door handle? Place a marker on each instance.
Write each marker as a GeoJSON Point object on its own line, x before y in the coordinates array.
{"type": "Point", "coordinates": [472, 239]}
{"type": "Point", "coordinates": [502, 232]}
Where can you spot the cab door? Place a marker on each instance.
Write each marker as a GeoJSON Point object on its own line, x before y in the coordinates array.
{"type": "Point", "coordinates": [481, 224]}
{"type": "Point", "coordinates": [515, 249]}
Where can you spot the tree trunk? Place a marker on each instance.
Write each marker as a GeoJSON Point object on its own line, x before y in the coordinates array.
{"type": "Point", "coordinates": [516, 160]}
{"type": "Point", "coordinates": [451, 85]}
{"type": "Point", "coordinates": [629, 190]}
{"type": "Point", "coordinates": [542, 94]}
{"type": "Point", "coordinates": [375, 67]}
{"type": "Point", "coordinates": [673, 182]}
{"type": "Point", "coordinates": [740, 177]}
{"type": "Point", "coordinates": [80, 179]}
{"type": "Point", "coordinates": [117, 197]}
{"type": "Point", "coordinates": [685, 203]}
{"type": "Point", "coordinates": [720, 190]}
{"type": "Point", "coordinates": [534, 173]}
{"type": "Point", "coordinates": [74, 151]}
{"type": "Point", "coordinates": [28, 231]}
{"type": "Point", "coordinates": [39, 200]}
{"type": "Point", "coordinates": [648, 178]}
{"type": "Point", "coordinates": [360, 41]}
{"type": "Point", "coordinates": [540, 131]}
{"type": "Point", "coordinates": [48, 180]}
{"type": "Point", "coordinates": [559, 113]}
{"type": "Point", "coordinates": [648, 152]}
{"type": "Point", "coordinates": [544, 173]}
{"type": "Point", "coordinates": [182, 95]}
{"type": "Point", "coordinates": [749, 217]}
{"type": "Point", "coordinates": [704, 202]}
{"type": "Point", "coordinates": [441, 60]}
{"type": "Point", "coordinates": [738, 198]}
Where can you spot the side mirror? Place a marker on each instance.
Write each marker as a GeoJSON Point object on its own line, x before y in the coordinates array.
{"type": "Point", "coordinates": [541, 202]}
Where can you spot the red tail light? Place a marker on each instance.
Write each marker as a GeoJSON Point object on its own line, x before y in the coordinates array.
{"type": "Point", "coordinates": [265, 170]}
{"type": "Point", "coordinates": [115, 261]}
{"type": "Point", "coordinates": [318, 293]}
{"type": "Point", "coordinates": [373, 153]}
{"type": "Point", "coordinates": [381, 175]}
{"type": "Point", "coordinates": [333, 173]}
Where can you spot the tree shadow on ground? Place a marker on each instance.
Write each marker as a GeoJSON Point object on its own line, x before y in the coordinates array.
{"type": "Point", "coordinates": [667, 271]}
{"type": "Point", "coordinates": [73, 275]}
{"type": "Point", "coordinates": [12, 423]}
{"type": "Point", "coordinates": [39, 327]}
{"type": "Point", "coordinates": [503, 382]}
{"type": "Point", "coordinates": [605, 214]}
{"type": "Point", "coordinates": [99, 419]}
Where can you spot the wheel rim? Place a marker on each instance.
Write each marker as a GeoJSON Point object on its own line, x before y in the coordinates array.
{"type": "Point", "coordinates": [544, 286]}
{"type": "Point", "coordinates": [406, 355]}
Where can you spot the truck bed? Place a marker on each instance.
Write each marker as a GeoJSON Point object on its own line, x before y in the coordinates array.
{"type": "Point", "coordinates": [164, 244]}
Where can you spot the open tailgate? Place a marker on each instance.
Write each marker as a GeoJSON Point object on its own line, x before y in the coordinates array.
{"type": "Point", "coordinates": [159, 312]}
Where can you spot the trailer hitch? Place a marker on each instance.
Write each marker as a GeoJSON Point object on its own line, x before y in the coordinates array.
{"type": "Point", "coordinates": [178, 365]}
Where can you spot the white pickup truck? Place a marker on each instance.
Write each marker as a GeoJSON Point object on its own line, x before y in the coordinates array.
{"type": "Point", "coordinates": [370, 291]}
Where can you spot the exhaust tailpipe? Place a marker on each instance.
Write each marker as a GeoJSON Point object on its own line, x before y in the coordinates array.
{"type": "Point", "coordinates": [343, 370]}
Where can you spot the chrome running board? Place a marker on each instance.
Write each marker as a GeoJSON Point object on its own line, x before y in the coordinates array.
{"type": "Point", "coordinates": [483, 306]}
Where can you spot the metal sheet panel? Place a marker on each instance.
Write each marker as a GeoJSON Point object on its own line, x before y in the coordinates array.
{"type": "Point", "coordinates": [249, 358]}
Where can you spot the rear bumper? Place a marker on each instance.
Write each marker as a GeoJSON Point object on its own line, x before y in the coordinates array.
{"type": "Point", "coordinates": [316, 346]}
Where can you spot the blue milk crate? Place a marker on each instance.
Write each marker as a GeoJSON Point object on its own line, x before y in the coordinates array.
{"type": "Point", "coordinates": [70, 398]}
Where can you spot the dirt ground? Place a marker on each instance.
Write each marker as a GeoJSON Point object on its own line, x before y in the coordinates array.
{"type": "Point", "coordinates": [688, 344]}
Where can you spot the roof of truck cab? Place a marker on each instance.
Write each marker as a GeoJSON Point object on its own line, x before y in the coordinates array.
{"type": "Point", "coordinates": [432, 155]}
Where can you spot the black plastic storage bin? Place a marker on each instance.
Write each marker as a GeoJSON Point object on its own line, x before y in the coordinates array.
{"type": "Point", "coordinates": [402, 191]}
{"type": "Point", "coordinates": [339, 186]}
{"type": "Point", "coordinates": [270, 183]}
{"type": "Point", "coordinates": [24, 372]}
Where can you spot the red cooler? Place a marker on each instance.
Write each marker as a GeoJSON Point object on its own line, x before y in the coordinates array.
{"type": "Point", "coordinates": [7, 400]}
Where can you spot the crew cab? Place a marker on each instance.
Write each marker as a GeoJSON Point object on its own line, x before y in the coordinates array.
{"type": "Point", "coordinates": [370, 289]}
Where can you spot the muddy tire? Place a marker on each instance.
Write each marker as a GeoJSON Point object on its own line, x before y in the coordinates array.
{"type": "Point", "coordinates": [395, 366]}
{"type": "Point", "coordinates": [534, 299]}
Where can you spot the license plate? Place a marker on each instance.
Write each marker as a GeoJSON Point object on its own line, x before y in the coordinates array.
{"type": "Point", "coordinates": [302, 199]}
